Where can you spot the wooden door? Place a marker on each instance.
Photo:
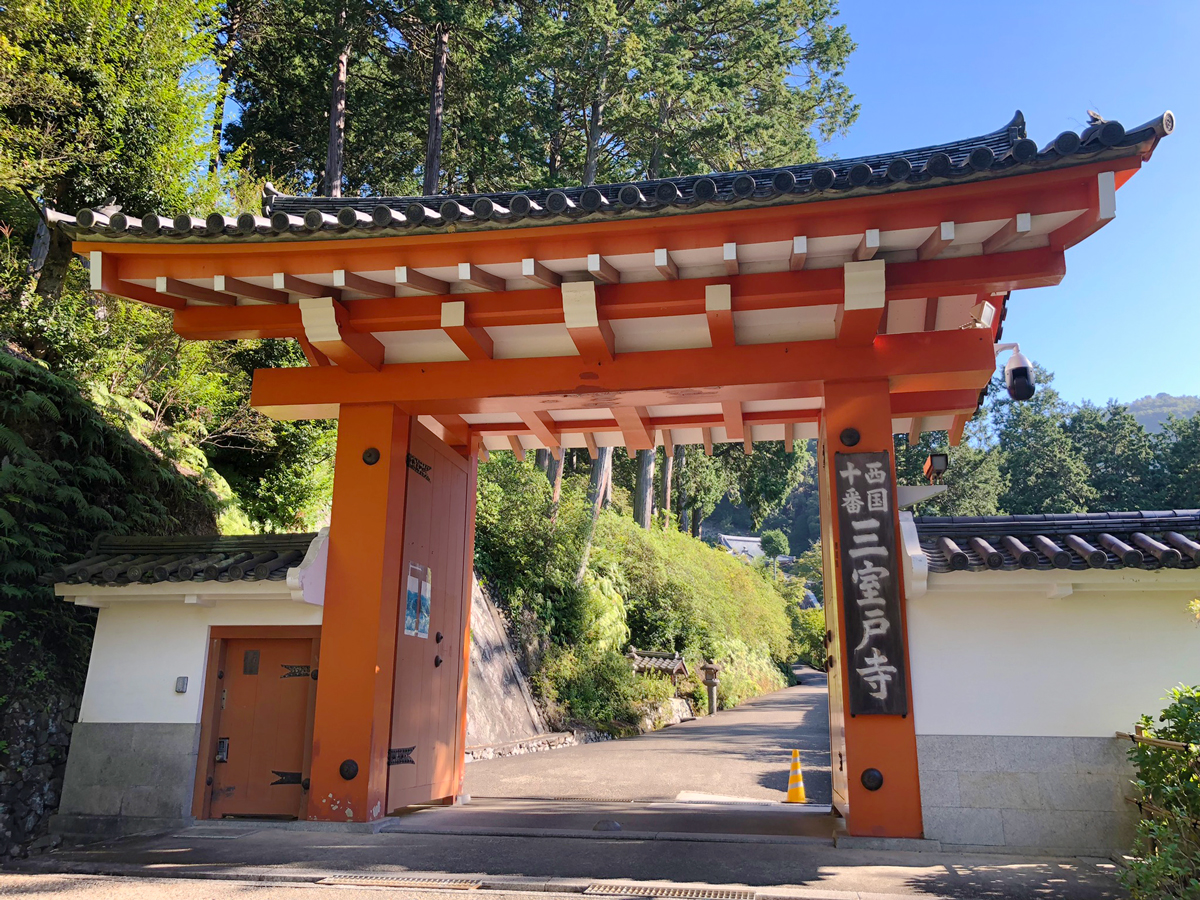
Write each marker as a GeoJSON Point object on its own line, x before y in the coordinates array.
{"type": "Point", "coordinates": [426, 714]}
{"type": "Point", "coordinates": [261, 725]}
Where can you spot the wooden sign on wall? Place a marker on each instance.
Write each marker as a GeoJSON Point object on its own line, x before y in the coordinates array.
{"type": "Point", "coordinates": [870, 584]}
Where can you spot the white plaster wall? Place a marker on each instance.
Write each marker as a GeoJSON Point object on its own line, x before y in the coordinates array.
{"type": "Point", "coordinates": [998, 663]}
{"type": "Point", "coordinates": [140, 649]}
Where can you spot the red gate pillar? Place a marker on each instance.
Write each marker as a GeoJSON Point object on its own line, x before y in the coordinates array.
{"type": "Point", "coordinates": [358, 631]}
{"type": "Point", "coordinates": [858, 743]}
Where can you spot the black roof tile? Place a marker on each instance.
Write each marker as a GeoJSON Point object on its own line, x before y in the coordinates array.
{"type": "Point", "coordinates": [1005, 151]}
{"type": "Point", "coordinates": [1066, 530]}
{"type": "Point", "coordinates": [153, 560]}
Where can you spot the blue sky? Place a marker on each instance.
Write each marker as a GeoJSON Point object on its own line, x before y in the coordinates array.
{"type": "Point", "coordinates": [1125, 322]}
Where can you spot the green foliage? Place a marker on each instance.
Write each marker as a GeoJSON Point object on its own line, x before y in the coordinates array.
{"type": "Point", "coordinates": [1167, 847]}
{"type": "Point", "coordinates": [774, 543]}
{"type": "Point", "coordinates": [101, 98]}
{"type": "Point", "coordinates": [656, 590]}
{"type": "Point", "coordinates": [540, 93]}
{"type": "Point", "coordinates": [67, 475]}
{"type": "Point", "coordinates": [682, 595]}
{"type": "Point", "coordinates": [598, 687]}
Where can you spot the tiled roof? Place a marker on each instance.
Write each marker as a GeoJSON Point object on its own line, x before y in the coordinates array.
{"type": "Point", "coordinates": [151, 560]}
{"type": "Point", "coordinates": [656, 661]}
{"type": "Point", "coordinates": [1141, 540]}
{"type": "Point", "coordinates": [1006, 151]}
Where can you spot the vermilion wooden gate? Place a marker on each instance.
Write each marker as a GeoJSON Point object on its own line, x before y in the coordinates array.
{"type": "Point", "coordinates": [429, 701]}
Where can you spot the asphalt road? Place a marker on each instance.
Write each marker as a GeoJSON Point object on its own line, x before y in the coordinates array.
{"type": "Point", "coordinates": [742, 753]}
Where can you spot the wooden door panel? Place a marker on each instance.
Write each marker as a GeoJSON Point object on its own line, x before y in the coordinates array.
{"type": "Point", "coordinates": [425, 712]}
{"type": "Point", "coordinates": [267, 697]}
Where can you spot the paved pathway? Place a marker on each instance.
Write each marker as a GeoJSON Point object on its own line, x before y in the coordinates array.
{"type": "Point", "coordinates": [737, 753]}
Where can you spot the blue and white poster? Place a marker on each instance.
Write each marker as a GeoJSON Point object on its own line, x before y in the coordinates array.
{"type": "Point", "coordinates": [417, 601]}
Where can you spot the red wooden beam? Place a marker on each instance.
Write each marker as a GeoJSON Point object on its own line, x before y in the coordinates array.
{"type": "Point", "coordinates": [944, 360]}
{"type": "Point", "coordinates": [542, 425]}
{"type": "Point", "coordinates": [938, 241]}
{"type": "Point", "coordinates": [592, 336]}
{"type": "Point", "coordinates": [242, 288]}
{"type": "Point", "coordinates": [174, 286]}
{"type": "Point", "coordinates": [635, 426]}
{"type": "Point", "coordinates": [999, 273]}
{"type": "Point", "coordinates": [731, 413]}
{"type": "Point", "coordinates": [859, 317]}
{"type": "Point", "coordinates": [475, 343]}
{"type": "Point", "coordinates": [718, 308]}
{"type": "Point", "coordinates": [325, 327]}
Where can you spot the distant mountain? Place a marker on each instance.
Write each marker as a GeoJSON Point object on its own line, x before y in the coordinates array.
{"type": "Point", "coordinates": [1152, 412]}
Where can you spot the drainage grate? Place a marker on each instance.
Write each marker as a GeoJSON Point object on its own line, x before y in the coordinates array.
{"type": "Point", "coordinates": [449, 884]}
{"type": "Point", "coordinates": [610, 889]}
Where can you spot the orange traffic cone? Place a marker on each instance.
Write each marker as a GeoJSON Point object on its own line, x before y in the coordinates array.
{"type": "Point", "coordinates": [796, 781]}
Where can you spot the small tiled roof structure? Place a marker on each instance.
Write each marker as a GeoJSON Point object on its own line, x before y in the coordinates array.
{"type": "Point", "coordinates": [116, 561]}
{"type": "Point", "coordinates": [741, 545]}
{"type": "Point", "coordinates": [1075, 541]}
{"type": "Point", "coordinates": [1006, 151]}
{"type": "Point", "coordinates": [657, 662]}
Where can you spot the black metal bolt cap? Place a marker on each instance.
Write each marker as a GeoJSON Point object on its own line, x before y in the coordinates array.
{"type": "Point", "coordinates": [872, 779]}
{"type": "Point", "coordinates": [348, 769]}
{"type": "Point", "coordinates": [371, 456]}
{"type": "Point", "coordinates": [850, 437]}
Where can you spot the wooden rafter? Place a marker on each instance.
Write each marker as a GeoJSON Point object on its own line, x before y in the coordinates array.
{"type": "Point", "coordinates": [475, 343]}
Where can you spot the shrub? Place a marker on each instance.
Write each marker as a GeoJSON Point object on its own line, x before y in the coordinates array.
{"type": "Point", "coordinates": [585, 686]}
{"type": "Point", "coordinates": [1167, 847]}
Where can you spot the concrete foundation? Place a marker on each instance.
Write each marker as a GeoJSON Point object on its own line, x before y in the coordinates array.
{"type": "Point", "coordinates": [127, 777]}
{"type": "Point", "coordinates": [1048, 794]}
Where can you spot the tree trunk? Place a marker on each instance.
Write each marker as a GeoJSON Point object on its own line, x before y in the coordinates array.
{"type": "Point", "coordinates": [643, 490]}
{"type": "Point", "coordinates": [54, 269]}
{"type": "Point", "coordinates": [597, 484]}
{"type": "Point", "coordinates": [437, 105]}
{"type": "Point", "coordinates": [695, 522]}
{"type": "Point", "coordinates": [541, 459]}
{"type": "Point", "coordinates": [664, 503]}
{"type": "Point", "coordinates": [554, 472]}
{"type": "Point", "coordinates": [595, 122]}
{"type": "Point", "coordinates": [337, 120]}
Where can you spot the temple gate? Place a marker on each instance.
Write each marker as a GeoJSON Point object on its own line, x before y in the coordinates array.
{"type": "Point", "coordinates": [846, 302]}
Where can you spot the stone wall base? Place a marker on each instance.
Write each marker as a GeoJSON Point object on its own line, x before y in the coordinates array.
{"type": "Point", "coordinates": [1034, 794]}
{"type": "Point", "coordinates": [128, 777]}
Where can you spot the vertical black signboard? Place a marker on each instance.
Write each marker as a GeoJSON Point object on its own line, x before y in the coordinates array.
{"type": "Point", "coordinates": [870, 584]}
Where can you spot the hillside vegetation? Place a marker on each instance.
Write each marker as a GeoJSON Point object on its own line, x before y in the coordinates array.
{"type": "Point", "coordinates": [580, 596]}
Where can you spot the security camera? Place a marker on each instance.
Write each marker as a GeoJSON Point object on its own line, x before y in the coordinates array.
{"type": "Point", "coordinates": [1018, 373]}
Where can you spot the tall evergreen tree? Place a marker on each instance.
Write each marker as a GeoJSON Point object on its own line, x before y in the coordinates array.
{"type": "Point", "coordinates": [1043, 470]}
{"type": "Point", "coordinates": [1117, 452]}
